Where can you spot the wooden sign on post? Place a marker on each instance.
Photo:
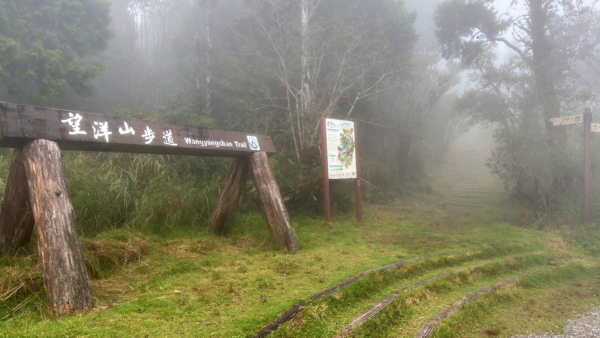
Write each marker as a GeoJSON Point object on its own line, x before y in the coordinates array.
{"type": "Point", "coordinates": [36, 193]}
{"type": "Point", "coordinates": [564, 120]}
{"type": "Point", "coordinates": [588, 127]}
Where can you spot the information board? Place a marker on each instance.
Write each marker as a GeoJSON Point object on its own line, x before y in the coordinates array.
{"type": "Point", "coordinates": [341, 154]}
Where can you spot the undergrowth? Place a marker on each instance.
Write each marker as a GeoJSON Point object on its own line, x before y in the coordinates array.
{"type": "Point", "coordinates": [110, 250]}
{"type": "Point", "coordinates": [155, 192]}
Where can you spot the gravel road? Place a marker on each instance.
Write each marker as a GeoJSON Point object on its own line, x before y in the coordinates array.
{"type": "Point", "coordinates": [584, 326]}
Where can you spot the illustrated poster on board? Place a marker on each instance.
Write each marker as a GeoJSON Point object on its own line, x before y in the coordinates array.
{"type": "Point", "coordinates": [341, 155]}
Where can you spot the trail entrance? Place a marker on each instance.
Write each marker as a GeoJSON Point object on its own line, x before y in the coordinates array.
{"type": "Point", "coordinates": [36, 190]}
{"type": "Point", "coordinates": [472, 184]}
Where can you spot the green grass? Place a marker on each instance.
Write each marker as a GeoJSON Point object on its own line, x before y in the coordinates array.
{"type": "Point", "coordinates": [189, 283]}
{"type": "Point", "coordinates": [400, 315]}
{"type": "Point", "coordinates": [538, 303]}
{"type": "Point", "coordinates": [152, 192]}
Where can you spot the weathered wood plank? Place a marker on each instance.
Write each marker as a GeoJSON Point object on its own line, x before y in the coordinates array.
{"type": "Point", "coordinates": [16, 218]}
{"type": "Point", "coordinates": [74, 130]}
{"type": "Point", "coordinates": [64, 273]}
{"type": "Point", "coordinates": [230, 196]}
{"type": "Point", "coordinates": [273, 208]}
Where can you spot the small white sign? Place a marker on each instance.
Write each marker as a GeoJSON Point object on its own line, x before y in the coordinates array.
{"type": "Point", "coordinates": [596, 127]}
{"type": "Point", "coordinates": [559, 121]}
{"type": "Point", "coordinates": [253, 142]}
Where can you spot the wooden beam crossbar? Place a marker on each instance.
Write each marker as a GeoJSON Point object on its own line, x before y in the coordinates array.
{"type": "Point", "coordinates": [36, 193]}
{"type": "Point", "coordinates": [73, 130]}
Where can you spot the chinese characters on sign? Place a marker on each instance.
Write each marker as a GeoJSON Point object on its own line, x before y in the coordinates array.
{"type": "Point", "coordinates": [168, 136]}
{"type": "Point", "coordinates": [103, 131]}
{"type": "Point", "coordinates": [127, 130]}
{"type": "Point", "coordinates": [74, 121]}
{"type": "Point", "coordinates": [148, 135]}
{"type": "Point", "coordinates": [341, 157]}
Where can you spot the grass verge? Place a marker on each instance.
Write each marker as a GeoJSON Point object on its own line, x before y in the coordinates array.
{"type": "Point", "coordinates": [189, 283]}
{"type": "Point", "coordinates": [536, 304]}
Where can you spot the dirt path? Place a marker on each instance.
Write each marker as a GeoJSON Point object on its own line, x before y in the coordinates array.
{"type": "Point", "coordinates": [471, 183]}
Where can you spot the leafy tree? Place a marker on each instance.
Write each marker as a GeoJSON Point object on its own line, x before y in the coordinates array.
{"type": "Point", "coordinates": [519, 95]}
{"type": "Point", "coordinates": [318, 59]}
{"type": "Point", "coordinates": [44, 44]}
{"type": "Point", "coordinates": [585, 32]}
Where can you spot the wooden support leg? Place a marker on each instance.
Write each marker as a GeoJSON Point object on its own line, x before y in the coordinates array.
{"type": "Point", "coordinates": [230, 196]}
{"type": "Point", "coordinates": [273, 208]}
{"type": "Point", "coordinates": [16, 219]}
{"type": "Point", "coordinates": [65, 276]}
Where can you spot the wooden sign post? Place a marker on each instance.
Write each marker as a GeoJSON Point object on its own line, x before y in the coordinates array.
{"type": "Point", "coordinates": [36, 190]}
{"type": "Point", "coordinates": [588, 127]}
{"type": "Point", "coordinates": [339, 159]}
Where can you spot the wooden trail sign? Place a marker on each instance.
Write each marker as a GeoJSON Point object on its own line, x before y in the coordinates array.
{"type": "Point", "coordinates": [564, 120]}
{"type": "Point", "coordinates": [73, 130]}
{"type": "Point", "coordinates": [36, 193]}
{"type": "Point", "coordinates": [588, 127]}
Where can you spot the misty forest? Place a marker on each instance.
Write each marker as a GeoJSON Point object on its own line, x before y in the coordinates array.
{"type": "Point", "coordinates": [481, 195]}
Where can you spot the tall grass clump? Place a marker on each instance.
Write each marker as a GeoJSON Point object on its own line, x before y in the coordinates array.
{"type": "Point", "coordinates": [167, 201]}
{"type": "Point", "coordinates": [112, 249]}
{"type": "Point", "coordinates": [101, 193]}
{"type": "Point", "coordinates": [152, 192]}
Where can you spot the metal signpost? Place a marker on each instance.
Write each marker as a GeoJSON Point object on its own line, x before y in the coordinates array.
{"type": "Point", "coordinates": [339, 159]}
{"type": "Point", "coordinates": [588, 127]}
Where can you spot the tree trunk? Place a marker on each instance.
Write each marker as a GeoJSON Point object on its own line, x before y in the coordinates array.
{"type": "Point", "coordinates": [230, 196]}
{"type": "Point", "coordinates": [65, 276]}
{"type": "Point", "coordinates": [541, 50]}
{"type": "Point", "coordinates": [197, 56]}
{"type": "Point", "coordinates": [305, 93]}
{"type": "Point", "coordinates": [16, 218]}
{"type": "Point", "coordinates": [272, 204]}
{"type": "Point", "coordinates": [208, 55]}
